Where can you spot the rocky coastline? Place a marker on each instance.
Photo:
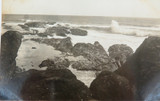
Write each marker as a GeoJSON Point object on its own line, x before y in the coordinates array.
{"type": "Point", "coordinates": [121, 73]}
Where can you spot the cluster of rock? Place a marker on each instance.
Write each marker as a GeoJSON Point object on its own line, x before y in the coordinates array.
{"type": "Point", "coordinates": [50, 84]}
{"type": "Point", "coordinates": [129, 82]}
{"type": "Point", "coordinates": [59, 30]}
{"type": "Point", "coordinates": [95, 56]}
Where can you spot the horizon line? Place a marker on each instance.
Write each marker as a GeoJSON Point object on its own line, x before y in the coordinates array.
{"type": "Point", "coordinates": [85, 16]}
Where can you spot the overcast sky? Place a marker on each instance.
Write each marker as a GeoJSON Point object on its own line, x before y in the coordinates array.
{"type": "Point", "coordinates": [123, 8]}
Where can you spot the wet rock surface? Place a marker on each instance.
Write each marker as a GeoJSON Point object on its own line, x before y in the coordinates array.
{"type": "Point", "coordinates": [11, 41]}
{"type": "Point", "coordinates": [109, 86]}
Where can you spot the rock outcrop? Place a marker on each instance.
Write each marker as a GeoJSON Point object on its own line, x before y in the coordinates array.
{"type": "Point", "coordinates": [57, 85]}
{"type": "Point", "coordinates": [120, 53]}
{"type": "Point", "coordinates": [96, 57]}
{"type": "Point", "coordinates": [64, 45]}
{"type": "Point", "coordinates": [79, 32]}
{"type": "Point", "coordinates": [11, 41]}
{"type": "Point", "coordinates": [109, 86]}
{"type": "Point", "coordinates": [56, 63]}
{"type": "Point", "coordinates": [143, 66]}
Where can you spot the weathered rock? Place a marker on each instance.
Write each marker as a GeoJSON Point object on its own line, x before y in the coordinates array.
{"type": "Point", "coordinates": [109, 86]}
{"type": "Point", "coordinates": [11, 41]}
{"type": "Point", "coordinates": [64, 45]}
{"type": "Point", "coordinates": [50, 84]}
{"type": "Point", "coordinates": [60, 30]}
{"type": "Point", "coordinates": [36, 24]}
{"type": "Point", "coordinates": [143, 66]}
{"type": "Point", "coordinates": [56, 63]}
{"type": "Point", "coordinates": [77, 31]}
{"type": "Point", "coordinates": [120, 53]}
{"type": "Point", "coordinates": [97, 58]}
{"type": "Point", "coordinates": [90, 51]}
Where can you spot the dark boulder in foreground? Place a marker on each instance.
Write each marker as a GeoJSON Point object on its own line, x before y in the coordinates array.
{"type": "Point", "coordinates": [109, 86]}
{"type": "Point", "coordinates": [79, 32]}
{"type": "Point", "coordinates": [141, 68]}
{"type": "Point", "coordinates": [53, 85]}
{"type": "Point", "coordinates": [11, 41]}
{"type": "Point", "coordinates": [96, 57]}
{"type": "Point", "coordinates": [56, 63]}
{"type": "Point", "coordinates": [120, 53]}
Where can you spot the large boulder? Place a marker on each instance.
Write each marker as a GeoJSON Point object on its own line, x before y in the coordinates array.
{"type": "Point", "coordinates": [109, 86]}
{"type": "Point", "coordinates": [64, 45]}
{"type": "Point", "coordinates": [80, 32]}
{"type": "Point", "coordinates": [57, 85]}
{"type": "Point", "coordinates": [90, 51]}
{"type": "Point", "coordinates": [120, 53]}
{"type": "Point", "coordinates": [96, 57]}
{"type": "Point", "coordinates": [143, 66]}
{"type": "Point", "coordinates": [56, 63]}
{"type": "Point", "coordinates": [11, 41]}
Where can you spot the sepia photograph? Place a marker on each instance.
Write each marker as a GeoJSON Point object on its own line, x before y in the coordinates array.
{"type": "Point", "coordinates": [80, 50]}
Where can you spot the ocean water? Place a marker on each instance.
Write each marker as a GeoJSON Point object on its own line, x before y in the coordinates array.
{"type": "Point", "coordinates": [83, 20]}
